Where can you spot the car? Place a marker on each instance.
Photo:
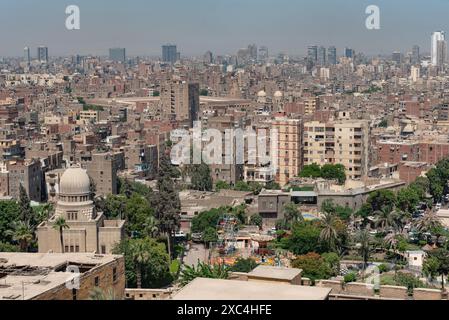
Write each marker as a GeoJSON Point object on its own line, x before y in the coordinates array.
{"type": "Point", "coordinates": [438, 206]}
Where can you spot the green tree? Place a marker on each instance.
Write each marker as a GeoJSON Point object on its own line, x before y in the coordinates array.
{"type": "Point", "coordinates": [334, 172]}
{"type": "Point", "coordinates": [311, 171]}
{"type": "Point", "coordinates": [166, 202]}
{"type": "Point", "coordinates": [256, 220]}
{"type": "Point", "coordinates": [203, 270]}
{"type": "Point", "coordinates": [9, 214]}
{"type": "Point", "coordinates": [291, 213]}
{"type": "Point", "coordinates": [242, 186]}
{"type": "Point", "coordinates": [26, 212]}
{"type": "Point", "coordinates": [59, 225]}
{"type": "Point", "coordinates": [22, 233]}
{"type": "Point", "coordinates": [333, 261]}
{"type": "Point", "coordinates": [222, 185]}
{"type": "Point", "coordinates": [147, 263]}
{"type": "Point", "coordinates": [244, 265]}
{"type": "Point", "coordinates": [408, 198]}
{"type": "Point", "coordinates": [329, 234]}
{"type": "Point", "coordinates": [304, 238]}
{"type": "Point", "coordinates": [313, 266]}
{"type": "Point", "coordinates": [206, 219]}
{"type": "Point", "coordinates": [151, 226]}
{"type": "Point", "coordinates": [428, 222]}
{"type": "Point", "coordinates": [364, 246]}
{"type": "Point", "coordinates": [441, 258]}
{"type": "Point", "coordinates": [201, 177]}
{"type": "Point", "coordinates": [430, 267]}
{"type": "Point", "coordinates": [210, 235]}
{"type": "Point", "coordinates": [381, 200]}
{"type": "Point", "coordinates": [272, 186]}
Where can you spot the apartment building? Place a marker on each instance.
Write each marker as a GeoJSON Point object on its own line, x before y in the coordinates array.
{"type": "Point", "coordinates": [180, 101]}
{"type": "Point", "coordinates": [103, 170]}
{"type": "Point", "coordinates": [27, 173]}
{"type": "Point", "coordinates": [289, 153]}
{"type": "Point", "coordinates": [343, 142]}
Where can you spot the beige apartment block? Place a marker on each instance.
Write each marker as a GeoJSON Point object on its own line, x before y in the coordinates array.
{"type": "Point", "coordinates": [342, 142]}
{"type": "Point", "coordinates": [289, 159]}
{"type": "Point", "coordinates": [88, 231]}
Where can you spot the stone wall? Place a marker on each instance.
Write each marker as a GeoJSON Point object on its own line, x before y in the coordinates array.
{"type": "Point", "coordinates": [356, 291]}
{"type": "Point", "coordinates": [427, 294]}
{"type": "Point", "coordinates": [394, 292]}
{"type": "Point", "coordinates": [147, 294]}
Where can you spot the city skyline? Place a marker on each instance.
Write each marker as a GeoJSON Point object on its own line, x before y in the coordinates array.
{"type": "Point", "coordinates": [202, 26]}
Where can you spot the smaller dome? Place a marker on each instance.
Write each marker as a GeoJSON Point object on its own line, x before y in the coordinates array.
{"type": "Point", "coordinates": [75, 181]}
{"type": "Point", "coordinates": [261, 94]}
{"type": "Point", "coordinates": [278, 94]}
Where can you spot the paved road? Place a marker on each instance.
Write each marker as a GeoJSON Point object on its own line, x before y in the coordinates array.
{"type": "Point", "coordinates": [196, 252]}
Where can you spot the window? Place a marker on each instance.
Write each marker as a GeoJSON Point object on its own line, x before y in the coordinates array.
{"type": "Point", "coordinates": [103, 249]}
{"type": "Point", "coordinates": [97, 281]}
{"type": "Point", "coordinates": [114, 274]}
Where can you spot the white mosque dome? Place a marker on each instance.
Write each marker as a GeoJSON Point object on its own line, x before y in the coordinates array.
{"type": "Point", "coordinates": [278, 94]}
{"type": "Point", "coordinates": [75, 181]}
{"type": "Point", "coordinates": [261, 94]}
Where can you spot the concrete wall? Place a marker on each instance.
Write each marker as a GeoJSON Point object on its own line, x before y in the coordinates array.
{"type": "Point", "coordinates": [427, 294]}
{"type": "Point", "coordinates": [394, 292]}
{"type": "Point", "coordinates": [357, 291]}
{"type": "Point", "coordinates": [147, 294]}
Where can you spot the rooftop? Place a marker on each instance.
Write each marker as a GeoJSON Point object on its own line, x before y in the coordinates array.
{"type": "Point", "coordinates": [217, 289]}
{"type": "Point", "coordinates": [24, 276]}
{"type": "Point", "coordinates": [275, 272]}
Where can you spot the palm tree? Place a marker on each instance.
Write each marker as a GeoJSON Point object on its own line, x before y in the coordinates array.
{"type": "Point", "coordinates": [140, 256]}
{"type": "Point", "coordinates": [291, 213]}
{"type": "Point", "coordinates": [428, 222]}
{"type": "Point", "coordinates": [22, 233]}
{"type": "Point", "coordinates": [151, 226]}
{"type": "Point", "coordinates": [390, 241]}
{"type": "Point", "coordinates": [99, 294]}
{"type": "Point", "coordinates": [386, 219]}
{"type": "Point", "coordinates": [364, 246]}
{"type": "Point", "coordinates": [203, 270]}
{"type": "Point", "coordinates": [329, 232]}
{"type": "Point", "coordinates": [60, 224]}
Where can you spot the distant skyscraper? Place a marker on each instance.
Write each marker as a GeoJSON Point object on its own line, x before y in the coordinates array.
{"type": "Point", "coordinates": [169, 53]}
{"type": "Point", "coordinates": [349, 53]}
{"type": "Point", "coordinates": [117, 54]}
{"type": "Point", "coordinates": [441, 53]}
{"type": "Point", "coordinates": [416, 59]}
{"type": "Point", "coordinates": [321, 56]}
{"type": "Point", "coordinates": [396, 57]}
{"type": "Point", "coordinates": [436, 37]}
{"type": "Point", "coordinates": [252, 50]}
{"type": "Point", "coordinates": [312, 53]}
{"type": "Point", "coordinates": [27, 55]}
{"type": "Point", "coordinates": [332, 55]}
{"type": "Point", "coordinates": [208, 57]}
{"type": "Point", "coordinates": [42, 54]}
{"type": "Point", "coordinates": [263, 53]}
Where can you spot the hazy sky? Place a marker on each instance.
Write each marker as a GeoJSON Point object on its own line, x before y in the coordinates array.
{"type": "Point", "coordinates": [222, 26]}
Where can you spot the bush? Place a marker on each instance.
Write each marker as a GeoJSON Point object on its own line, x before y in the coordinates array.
{"type": "Point", "coordinates": [350, 277]}
{"type": "Point", "coordinates": [244, 265]}
{"type": "Point", "coordinates": [383, 268]}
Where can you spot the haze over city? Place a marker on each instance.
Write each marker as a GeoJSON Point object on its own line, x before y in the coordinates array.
{"type": "Point", "coordinates": [220, 26]}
